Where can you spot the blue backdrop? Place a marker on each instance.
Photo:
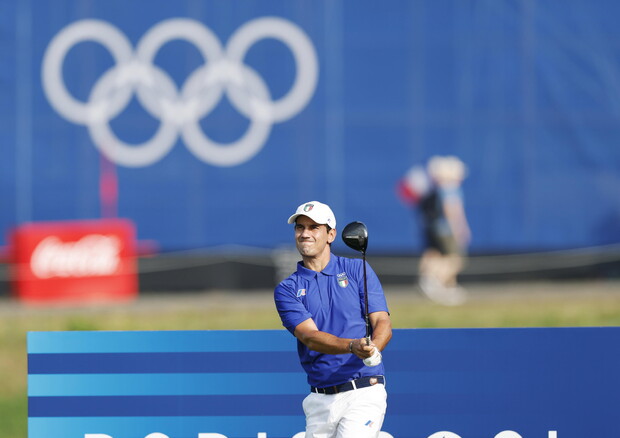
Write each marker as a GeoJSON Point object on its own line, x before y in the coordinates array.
{"type": "Point", "coordinates": [474, 383]}
{"type": "Point", "coordinates": [525, 92]}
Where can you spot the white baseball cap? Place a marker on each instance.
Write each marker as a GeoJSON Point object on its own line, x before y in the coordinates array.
{"type": "Point", "coordinates": [317, 211]}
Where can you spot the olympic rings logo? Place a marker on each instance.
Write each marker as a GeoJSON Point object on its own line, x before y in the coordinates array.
{"type": "Point", "coordinates": [181, 110]}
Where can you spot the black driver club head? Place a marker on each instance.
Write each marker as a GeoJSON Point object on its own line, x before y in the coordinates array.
{"type": "Point", "coordinates": [355, 235]}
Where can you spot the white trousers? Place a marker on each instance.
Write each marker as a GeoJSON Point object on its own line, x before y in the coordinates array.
{"type": "Point", "coordinates": [358, 413]}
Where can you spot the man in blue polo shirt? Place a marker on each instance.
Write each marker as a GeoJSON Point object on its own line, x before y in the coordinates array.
{"type": "Point", "coordinates": [322, 305]}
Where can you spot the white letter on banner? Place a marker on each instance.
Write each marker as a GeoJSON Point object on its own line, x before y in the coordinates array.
{"type": "Point", "coordinates": [508, 434]}
{"type": "Point", "coordinates": [261, 435]}
{"type": "Point", "coordinates": [156, 435]}
{"type": "Point", "coordinates": [383, 434]}
{"type": "Point", "coordinates": [96, 435]}
{"type": "Point", "coordinates": [211, 435]}
{"type": "Point", "coordinates": [444, 434]}
{"type": "Point", "coordinates": [553, 434]}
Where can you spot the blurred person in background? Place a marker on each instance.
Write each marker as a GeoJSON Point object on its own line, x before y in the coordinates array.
{"type": "Point", "coordinates": [436, 193]}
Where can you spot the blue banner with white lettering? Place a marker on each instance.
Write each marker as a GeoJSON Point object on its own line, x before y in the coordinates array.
{"type": "Point", "coordinates": [464, 383]}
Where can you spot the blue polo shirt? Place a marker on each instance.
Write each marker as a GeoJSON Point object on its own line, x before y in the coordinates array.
{"type": "Point", "coordinates": [334, 299]}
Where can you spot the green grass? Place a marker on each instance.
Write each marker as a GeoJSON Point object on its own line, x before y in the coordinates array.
{"type": "Point", "coordinates": [13, 415]}
{"type": "Point", "coordinates": [408, 311]}
{"type": "Point", "coordinates": [525, 312]}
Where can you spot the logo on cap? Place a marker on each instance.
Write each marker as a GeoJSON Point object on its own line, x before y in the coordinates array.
{"type": "Point", "coordinates": [308, 207]}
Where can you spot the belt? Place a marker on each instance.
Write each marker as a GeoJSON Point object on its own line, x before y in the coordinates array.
{"type": "Point", "coordinates": [362, 382]}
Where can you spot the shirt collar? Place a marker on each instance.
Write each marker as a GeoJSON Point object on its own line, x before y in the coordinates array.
{"type": "Point", "coordinates": [330, 269]}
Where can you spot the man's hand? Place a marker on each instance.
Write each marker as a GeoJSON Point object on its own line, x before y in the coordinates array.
{"type": "Point", "coordinates": [374, 360]}
{"type": "Point", "coordinates": [363, 348]}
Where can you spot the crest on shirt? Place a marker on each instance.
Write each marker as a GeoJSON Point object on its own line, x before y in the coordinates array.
{"type": "Point", "coordinates": [301, 293]}
{"type": "Point", "coordinates": [343, 281]}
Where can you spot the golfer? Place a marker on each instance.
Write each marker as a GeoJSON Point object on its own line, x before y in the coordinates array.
{"type": "Point", "coordinates": [322, 305]}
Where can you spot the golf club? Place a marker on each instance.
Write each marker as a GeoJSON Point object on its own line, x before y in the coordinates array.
{"type": "Point", "coordinates": [355, 236]}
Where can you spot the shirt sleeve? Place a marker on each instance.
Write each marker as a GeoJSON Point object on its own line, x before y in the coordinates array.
{"type": "Point", "coordinates": [290, 308]}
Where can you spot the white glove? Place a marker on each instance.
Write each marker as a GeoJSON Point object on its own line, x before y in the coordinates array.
{"type": "Point", "coordinates": [373, 360]}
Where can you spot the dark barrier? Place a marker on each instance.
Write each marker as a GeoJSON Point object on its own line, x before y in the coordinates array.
{"type": "Point", "coordinates": [468, 383]}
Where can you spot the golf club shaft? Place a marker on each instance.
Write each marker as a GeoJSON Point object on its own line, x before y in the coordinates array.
{"type": "Point", "coordinates": [366, 317]}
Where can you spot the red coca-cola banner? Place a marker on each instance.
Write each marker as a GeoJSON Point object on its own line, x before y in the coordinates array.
{"type": "Point", "coordinates": [74, 261]}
